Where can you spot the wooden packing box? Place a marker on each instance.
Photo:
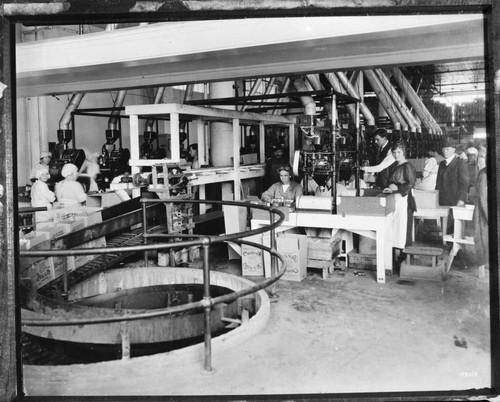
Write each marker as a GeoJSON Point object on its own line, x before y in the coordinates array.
{"type": "Point", "coordinates": [379, 205]}
{"type": "Point", "coordinates": [77, 261]}
{"type": "Point", "coordinates": [319, 248]}
{"type": "Point", "coordinates": [426, 199]}
{"type": "Point", "coordinates": [362, 261]}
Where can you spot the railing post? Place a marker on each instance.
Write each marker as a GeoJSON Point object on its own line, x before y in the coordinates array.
{"type": "Point", "coordinates": [144, 231]}
{"type": "Point", "coordinates": [274, 261]}
{"type": "Point", "coordinates": [208, 307]}
{"type": "Point", "coordinates": [65, 280]}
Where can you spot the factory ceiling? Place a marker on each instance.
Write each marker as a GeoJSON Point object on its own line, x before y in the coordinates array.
{"type": "Point", "coordinates": [446, 51]}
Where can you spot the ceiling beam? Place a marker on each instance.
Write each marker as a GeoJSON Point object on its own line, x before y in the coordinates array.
{"type": "Point", "coordinates": [207, 51]}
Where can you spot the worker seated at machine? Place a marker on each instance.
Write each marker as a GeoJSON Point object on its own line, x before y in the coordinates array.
{"type": "Point", "coordinates": [284, 192]}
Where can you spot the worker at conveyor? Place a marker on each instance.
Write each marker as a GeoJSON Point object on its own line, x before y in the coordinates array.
{"type": "Point", "coordinates": [41, 196]}
{"type": "Point", "coordinates": [69, 192]}
{"type": "Point", "coordinates": [401, 179]}
{"type": "Point", "coordinates": [45, 158]}
{"type": "Point", "coordinates": [384, 159]}
{"type": "Point", "coordinates": [285, 190]}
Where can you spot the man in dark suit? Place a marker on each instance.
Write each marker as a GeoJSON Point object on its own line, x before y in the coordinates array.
{"type": "Point", "coordinates": [384, 159]}
{"type": "Point", "coordinates": [453, 176]}
{"type": "Point", "coordinates": [452, 179]}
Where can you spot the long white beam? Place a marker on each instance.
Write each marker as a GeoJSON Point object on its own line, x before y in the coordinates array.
{"type": "Point", "coordinates": [203, 51]}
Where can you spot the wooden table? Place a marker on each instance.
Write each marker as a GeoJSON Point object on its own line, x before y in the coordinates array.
{"type": "Point", "coordinates": [375, 227]}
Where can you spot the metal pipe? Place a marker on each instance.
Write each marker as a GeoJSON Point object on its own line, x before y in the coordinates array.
{"type": "Point", "coordinates": [115, 113]}
{"type": "Point", "coordinates": [307, 101]}
{"type": "Point", "coordinates": [335, 83]}
{"type": "Point", "coordinates": [208, 306]}
{"type": "Point", "coordinates": [145, 232]}
{"type": "Point", "coordinates": [286, 84]}
{"type": "Point", "coordinates": [73, 103]}
{"type": "Point", "coordinates": [398, 102]}
{"type": "Point", "coordinates": [369, 119]}
{"type": "Point", "coordinates": [384, 100]}
{"type": "Point", "coordinates": [318, 86]}
{"type": "Point", "coordinates": [416, 102]}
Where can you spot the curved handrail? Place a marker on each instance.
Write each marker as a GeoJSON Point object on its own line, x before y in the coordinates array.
{"type": "Point", "coordinates": [207, 303]}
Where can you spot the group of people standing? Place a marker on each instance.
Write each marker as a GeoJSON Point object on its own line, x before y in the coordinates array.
{"type": "Point", "coordinates": [458, 181]}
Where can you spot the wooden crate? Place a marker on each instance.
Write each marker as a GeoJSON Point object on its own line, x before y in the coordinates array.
{"type": "Point", "coordinates": [319, 248]}
{"type": "Point", "coordinates": [426, 199]}
{"type": "Point", "coordinates": [362, 261]}
{"type": "Point", "coordinates": [380, 205]}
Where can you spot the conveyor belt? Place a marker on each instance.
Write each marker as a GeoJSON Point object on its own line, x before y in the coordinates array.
{"type": "Point", "coordinates": [101, 263]}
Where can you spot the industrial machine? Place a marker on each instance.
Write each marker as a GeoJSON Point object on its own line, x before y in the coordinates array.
{"type": "Point", "coordinates": [112, 161]}
{"type": "Point", "coordinates": [330, 152]}
{"type": "Point", "coordinates": [63, 155]}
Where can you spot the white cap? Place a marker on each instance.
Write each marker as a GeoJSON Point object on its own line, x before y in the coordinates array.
{"type": "Point", "coordinates": [43, 154]}
{"type": "Point", "coordinates": [472, 151]}
{"type": "Point", "coordinates": [68, 169]}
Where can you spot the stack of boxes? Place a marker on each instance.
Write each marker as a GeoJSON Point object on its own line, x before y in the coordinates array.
{"type": "Point", "coordinates": [57, 223]}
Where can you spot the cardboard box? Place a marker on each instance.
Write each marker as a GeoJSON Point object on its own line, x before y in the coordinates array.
{"type": "Point", "coordinates": [252, 259]}
{"type": "Point", "coordinates": [426, 199]}
{"type": "Point", "coordinates": [34, 240]}
{"type": "Point", "coordinates": [294, 250]}
{"type": "Point", "coordinates": [52, 229]}
{"type": "Point", "coordinates": [380, 205]}
{"type": "Point", "coordinates": [103, 200]}
{"type": "Point", "coordinates": [362, 261]}
{"type": "Point", "coordinates": [71, 225]}
{"type": "Point", "coordinates": [47, 270]}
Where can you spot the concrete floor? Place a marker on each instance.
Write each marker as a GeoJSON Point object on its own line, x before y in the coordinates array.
{"type": "Point", "coordinates": [345, 334]}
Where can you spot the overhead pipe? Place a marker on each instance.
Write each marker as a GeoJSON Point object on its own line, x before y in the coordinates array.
{"type": "Point", "coordinates": [369, 119]}
{"type": "Point", "coordinates": [283, 89]}
{"type": "Point", "coordinates": [73, 103]}
{"type": "Point", "coordinates": [115, 113]}
{"type": "Point", "coordinates": [318, 86]}
{"type": "Point", "coordinates": [384, 99]}
{"type": "Point", "coordinates": [392, 104]}
{"type": "Point", "coordinates": [416, 102]}
{"type": "Point", "coordinates": [337, 86]}
{"type": "Point", "coordinates": [307, 101]}
{"type": "Point", "coordinates": [398, 102]}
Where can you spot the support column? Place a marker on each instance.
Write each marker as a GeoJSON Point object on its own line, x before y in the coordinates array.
{"type": "Point", "coordinates": [221, 136]}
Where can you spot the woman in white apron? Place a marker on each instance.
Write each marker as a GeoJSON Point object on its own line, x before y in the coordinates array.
{"type": "Point", "coordinates": [402, 177]}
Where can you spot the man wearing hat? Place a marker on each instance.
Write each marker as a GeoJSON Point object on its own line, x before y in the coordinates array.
{"type": "Point", "coordinates": [384, 159]}
{"type": "Point", "coordinates": [45, 157]}
{"type": "Point", "coordinates": [453, 176]}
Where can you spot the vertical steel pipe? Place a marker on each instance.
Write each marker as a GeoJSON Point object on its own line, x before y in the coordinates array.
{"type": "Point", "coordinates": [337, 87]}
{"type": "Point", "coordinates": [208, 307]}
{"type": "Point", "coordinates": [274, 261]}
{"type": "Point", "coordinates": [144, 231]}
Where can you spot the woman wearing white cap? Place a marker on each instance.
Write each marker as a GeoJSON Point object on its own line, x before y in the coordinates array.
{"type": "Point", "coordinates": [68, 191]}
{"type": "Point", "coordinates": [41, 196]}
{"type": "Point", "coordinates": [45, 157]}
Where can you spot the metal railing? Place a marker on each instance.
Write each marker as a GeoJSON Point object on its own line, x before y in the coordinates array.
{"type": "Point", "coordinates": [205, 241]}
